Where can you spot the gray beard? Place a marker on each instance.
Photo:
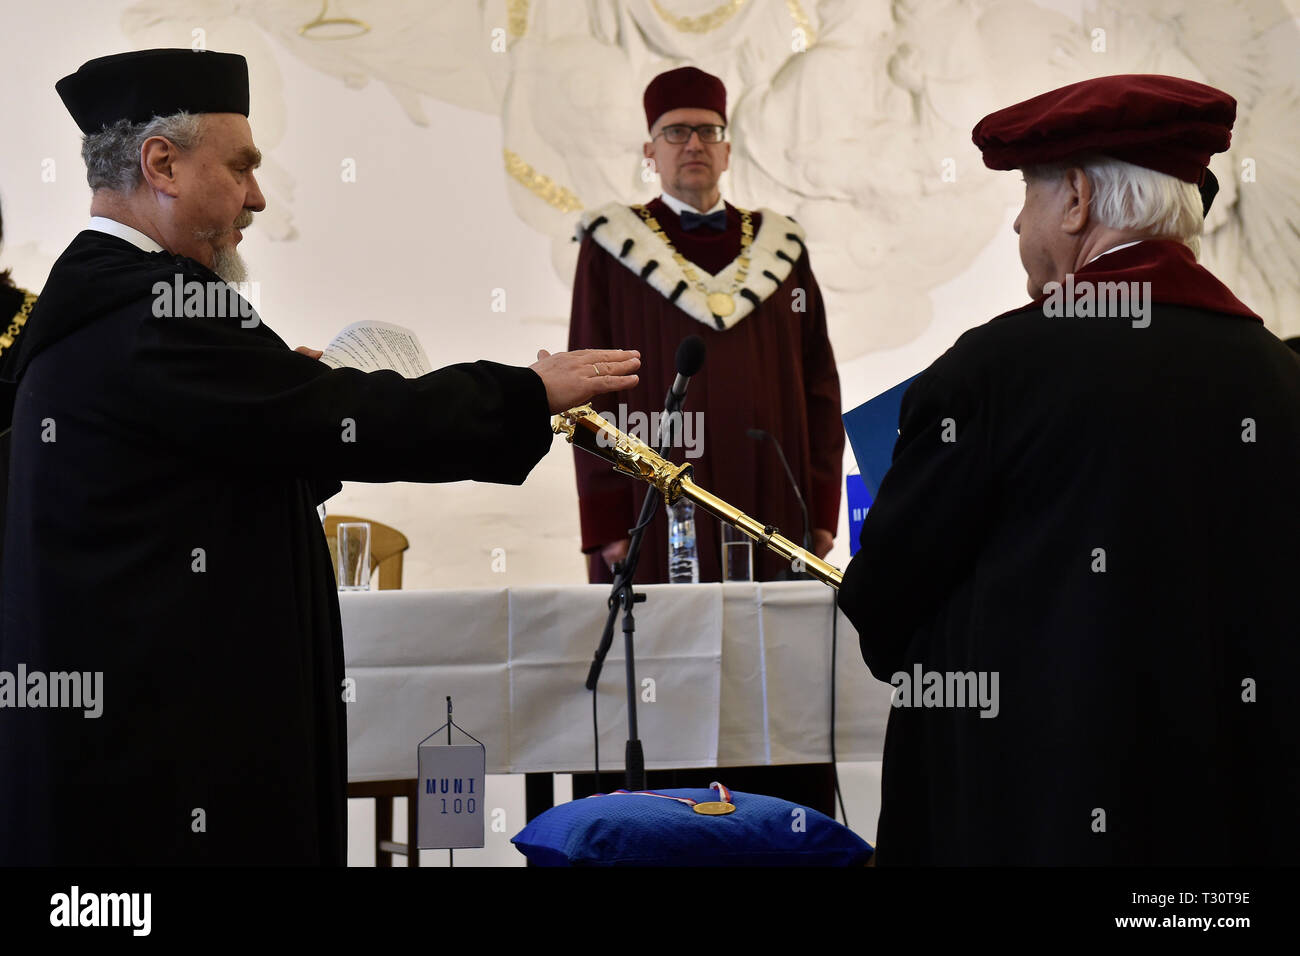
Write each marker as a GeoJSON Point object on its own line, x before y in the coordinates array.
{"type": "Point", "coordinates": [228, 264]}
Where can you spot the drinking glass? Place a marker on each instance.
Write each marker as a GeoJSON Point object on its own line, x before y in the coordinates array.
{"type": "Point", "coordinates": [353, 571]}
{"type": "Point", "coordinates": [737, 555]}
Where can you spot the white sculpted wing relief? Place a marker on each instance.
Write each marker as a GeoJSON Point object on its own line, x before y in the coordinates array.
{"type": "Point", "coordinates": [882, 173]}
{"type": "Point", "coordinates": [1250, 49]}
{"type": "Point", "coordinates": [1258, 241]}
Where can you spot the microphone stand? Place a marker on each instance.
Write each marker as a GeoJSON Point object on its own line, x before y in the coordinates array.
{"type": "Point", "coordinates": [622, 596]}
{"type": "Point", "coordinates": [761, 435]}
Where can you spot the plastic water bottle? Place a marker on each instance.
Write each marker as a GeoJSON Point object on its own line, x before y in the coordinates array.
{"type": "Point", "coordinates": [683, 560]}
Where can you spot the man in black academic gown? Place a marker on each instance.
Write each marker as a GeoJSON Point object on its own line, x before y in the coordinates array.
{"type": "Point", "coordinates": [162, 538]}
{"type": "Point", "coordinates": [1079, 573]}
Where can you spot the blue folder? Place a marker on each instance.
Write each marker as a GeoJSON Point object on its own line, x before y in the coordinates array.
{"type": "Point", "coordinates": [872, 428]}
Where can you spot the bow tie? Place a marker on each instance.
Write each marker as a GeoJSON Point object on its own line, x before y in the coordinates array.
{"type": "Point", "coordinates": [716, 221]}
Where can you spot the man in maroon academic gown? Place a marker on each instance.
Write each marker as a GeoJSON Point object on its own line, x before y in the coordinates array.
{"type": "Point", "coordinates": [769, 362]}
{"type": "Point", "coordinates": [1091, 511]}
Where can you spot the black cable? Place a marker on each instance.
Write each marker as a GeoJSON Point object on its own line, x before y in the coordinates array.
{"type": "Point", "coordinates": [649, 518]}
{"type": "Point", "coordinates": [595, 733]}
{"type": "Point", "coordinates": [835, 768]}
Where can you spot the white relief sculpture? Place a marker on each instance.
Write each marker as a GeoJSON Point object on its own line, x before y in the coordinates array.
{"type": "Point", "coordinates": [863, 135]}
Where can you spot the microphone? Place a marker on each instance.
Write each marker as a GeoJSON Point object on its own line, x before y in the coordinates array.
{"type": "Point", "coordinates": [759, 435]}
{"type": "Point", "coordinates": [690, 359]}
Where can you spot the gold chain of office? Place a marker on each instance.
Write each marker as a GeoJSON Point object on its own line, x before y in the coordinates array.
{"type": "Point", "coordinates": [19, 320]}
{"type": "Point", "coordinates": [721, 304]}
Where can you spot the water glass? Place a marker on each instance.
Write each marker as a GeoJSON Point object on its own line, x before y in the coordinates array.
{"type": "Point", "coordinates": [353, 571]}
{"type": "Point", "coordinates": [737, 555]}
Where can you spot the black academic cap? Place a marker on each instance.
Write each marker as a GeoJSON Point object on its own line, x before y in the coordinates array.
{"type": "Point", "coordinates": [143, 84]}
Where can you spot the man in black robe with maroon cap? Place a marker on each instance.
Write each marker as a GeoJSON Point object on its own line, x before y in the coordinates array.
{"type": "Point", "coordinates": [1078, 573]}
{"type": "Point", "coordinates": [689, 263]}
{"type": "Point", "coordinates": [171, 657]}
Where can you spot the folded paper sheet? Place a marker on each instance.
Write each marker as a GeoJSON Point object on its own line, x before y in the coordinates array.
{"type": "Point", "coordinates": [374, 346]}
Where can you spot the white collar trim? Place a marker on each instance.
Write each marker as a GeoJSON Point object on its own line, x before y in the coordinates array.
{"type": "Point", "coordinates": [1113, 249]}
{"type": "Point", "coordinates": [677, 206]}
{"type": "Point", "coordinates": [123, 231]}
{"type": "Point", "coordinates": [776, 248]}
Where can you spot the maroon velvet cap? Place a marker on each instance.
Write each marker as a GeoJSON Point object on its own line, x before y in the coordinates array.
{"type": "Point", "coordinates": [684, 88]}
{"type": "Point", "coordinates": [1163, 123]}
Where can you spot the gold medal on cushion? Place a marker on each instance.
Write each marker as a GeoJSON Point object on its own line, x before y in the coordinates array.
{"type": "Point", "coordinates": [715, 808]}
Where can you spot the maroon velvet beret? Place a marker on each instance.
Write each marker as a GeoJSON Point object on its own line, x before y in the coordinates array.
{"type": "Point", "coordinates": [140, 85]}
{"type": "Point", "coordinates": [1163, 123]}
{"type": "Point", "coordinates": [684, 88]}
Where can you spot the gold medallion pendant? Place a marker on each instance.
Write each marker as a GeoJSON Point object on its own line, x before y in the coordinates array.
{"type": "Point", "coordinates": [721, 304]}
{"type": "Point", "coordinates": [715, 808]}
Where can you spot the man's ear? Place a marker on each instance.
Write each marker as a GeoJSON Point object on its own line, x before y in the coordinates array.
{"type": "Point", "coordinates": [1077, 201]}
{"type": "Point", "coordinates": [157, 165]}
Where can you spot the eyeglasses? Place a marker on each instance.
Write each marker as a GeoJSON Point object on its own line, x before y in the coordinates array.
{"type": "Point", "coordinates": [679, 133]}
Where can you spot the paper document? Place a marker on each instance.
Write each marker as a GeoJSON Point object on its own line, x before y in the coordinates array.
{"type": "Point", "coordinates": [375, 346]}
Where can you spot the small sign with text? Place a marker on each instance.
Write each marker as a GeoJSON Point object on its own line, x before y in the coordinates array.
{"type": "Point", "coordinates": [451, 796]}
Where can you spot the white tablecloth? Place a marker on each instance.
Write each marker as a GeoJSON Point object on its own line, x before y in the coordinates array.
{"type": "Point", "coordinates": [740, 672]}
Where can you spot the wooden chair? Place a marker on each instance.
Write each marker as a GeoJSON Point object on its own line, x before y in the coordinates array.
{"type": "Point", "coordinates": [386, 548]}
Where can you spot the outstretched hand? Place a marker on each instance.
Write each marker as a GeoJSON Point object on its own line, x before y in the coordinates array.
{"type": "Point", "coordinates": [572, 378]}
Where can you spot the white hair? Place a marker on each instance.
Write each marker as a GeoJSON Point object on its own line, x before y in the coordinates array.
{"type": "Point", "coordinates": [112, 155]}
{"type": "Point", "coordinates": [1125, 196]}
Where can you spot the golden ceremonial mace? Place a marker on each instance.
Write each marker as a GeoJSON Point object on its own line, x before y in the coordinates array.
{"type": "Point", "coordinates": [633, 457]}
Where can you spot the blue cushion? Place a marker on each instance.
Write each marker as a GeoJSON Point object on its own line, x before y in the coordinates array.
{"type": "Point", "coordinates": [634, 830]}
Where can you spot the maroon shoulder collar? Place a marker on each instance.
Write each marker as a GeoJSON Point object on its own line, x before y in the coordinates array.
{"type": "Point", "coordinates": [1176, 277]}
